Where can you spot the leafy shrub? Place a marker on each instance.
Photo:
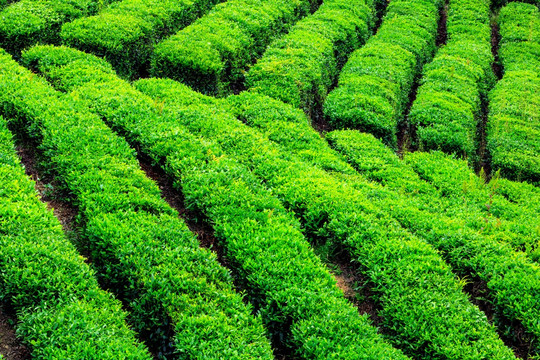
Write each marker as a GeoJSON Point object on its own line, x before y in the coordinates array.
{"type": "Point", "coordinates": [30, 22]}
{"type": "Point", "coordinates": [450, 99]}
{"type": "Point", "coordinates": [212, 54]}
{"type": "Point", "coordinates": [300, 67]}
{"type": "Point", "coordinates": [442, 201]}
{"type": "Point", "coordinates": [126, 32]}
{"type": "Point", "coordinates": [374, 85]}
{"type": "Point", "coordinates": [514, 109]}
{"type": "Point", "coordinates": [411, 282]}
{"type": "Point", "coordinates": [288, 284]}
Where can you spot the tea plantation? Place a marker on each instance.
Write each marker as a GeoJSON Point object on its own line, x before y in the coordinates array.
{"type": "Point", "coordinates": [270, 179]}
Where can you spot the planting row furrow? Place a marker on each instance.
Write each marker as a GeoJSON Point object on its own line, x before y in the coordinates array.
{"type": "Point", "coordinates": [375, 83]}
{"type": "Point", "coordinates": [62, 312]}
{"type": "Point", "coordinates": [213, 53]}
{"type": "Point", "coordinates": [514, 104]}
{"type": "Point", "coordinates": [300, 67]}
{"type": "Point", "coordinates": [180, 299]}
{"type": "Point", "coordinates": [126, 32]}
{"type": "Point", "coordinates": [29, 22]}
{"type": "Point", "coordinates": [513, 281]}
{"type": "Point", "coordinates": [488, 257]}
{"type": "Point", "coordinates": [454, 87]}
{"type": "Point", "coordinates": [413, 285]}
{"type": "Point", "coordinates": [295, 294]}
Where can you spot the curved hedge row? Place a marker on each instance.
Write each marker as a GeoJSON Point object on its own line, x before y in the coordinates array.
{"type": "Point", "coordinates": [512, 280]}
{"type": "Point", "coordinates": [514, 108]}
{"type": "Point", "coordinates": [454, 87]}
{"type": "Point", "coordinates": [516, 224]}
{"type": "Point", "coordinates": [296, 295]}
{"type": "Point", "coordinates": [212, 54]}
{"type": "Point", "coordinates": [374, 85]}
{"type": "Point", "coordinates": [291, 129]}
{"type": "Point", "coordinates": [62, 312]}
{"type": "Point", "coordinates": [300, 67]}
{"type": "Point", "coordinates": [447, 185]}
{"type": "Point", "coordinates": [180, 299]}
{"type": "Point", "coordinates": [415, 288]}
{"type": "Point", "coordinates": [126, 32]}
{"type": "Point", "coordinates": [30, 22]}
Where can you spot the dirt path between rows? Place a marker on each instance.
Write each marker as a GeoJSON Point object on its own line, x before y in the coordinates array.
{"type": "Point", "coordinates": [10, 346]}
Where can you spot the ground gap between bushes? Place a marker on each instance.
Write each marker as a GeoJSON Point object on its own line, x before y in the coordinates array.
{"type": "Point", "coordinates": [512, 333]}
{"type": "Point", "coordinates": [484, 158]}
{"type": "Point", "coordinates": [49, 190]}
{"type": "Point", "coordinates": [11, 347]}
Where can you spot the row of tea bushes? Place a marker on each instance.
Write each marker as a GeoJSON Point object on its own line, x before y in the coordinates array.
{"type": "Point", "coordinates": [292, 290]}
{"type": "Point", "coordinates": [453, 91]}
{"type": "Point", "coordinates": [28, 22]}
{"type": "Point", "coordinates": [62, 313]}
{"type": "Point", "coordinates": [512, 280]}
{"type": "Point", "coordinates": [375, 83]}
{"type": "Point", "coordinates": [179, 297]}
{"type": "Point", "coordinates": [413, 285]}
{"type": "Point", "coordinates": [513, 223]}
{"type": "Point", "coordinates": [126, 32]}
{"type": "Point", "coordinates": [212, 54]}
{"type": "Point", "coordinates": [514, 103]}
{"type": "Point", "coordinates": [290, 128]}
{"type": "Point", "coordinates": [517, 224]}
{"type": "Point", "coordinates": [446, 184]}
{"type": "Point", "coordinates": [300, 67]}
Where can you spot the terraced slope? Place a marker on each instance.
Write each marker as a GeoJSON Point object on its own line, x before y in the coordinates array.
{"type": "Point", "coordinates": [324, 245]}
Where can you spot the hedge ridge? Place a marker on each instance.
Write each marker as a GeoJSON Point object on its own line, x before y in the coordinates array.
{"type": "Point", "coordinates": [300, 67]}
{"type": "Point", "coordinates": [406, 273]}
{"type": "Point", "coordinates": [180, 299]}
{"type": "Point", "coordinates": [453, 90]}
{"type": "Point", "coordinates": [28, 22]}
{"type": "Point", "coordinates": [514, 104]}
{"type": "Point", "coordinates": [516, 223]}
{"type": "Point", "coordinates": [213, 53]}
{"type": "Point", "coordinates": [286, 281]}
{"type": "Point", "coordinates": [62, 312]}
{"type": "Point", "coordinates": [447, 185]}
{"type": "Point", "coordinates": [126, 32]}
{"type": "Point", "coordinates": [374, 85]}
